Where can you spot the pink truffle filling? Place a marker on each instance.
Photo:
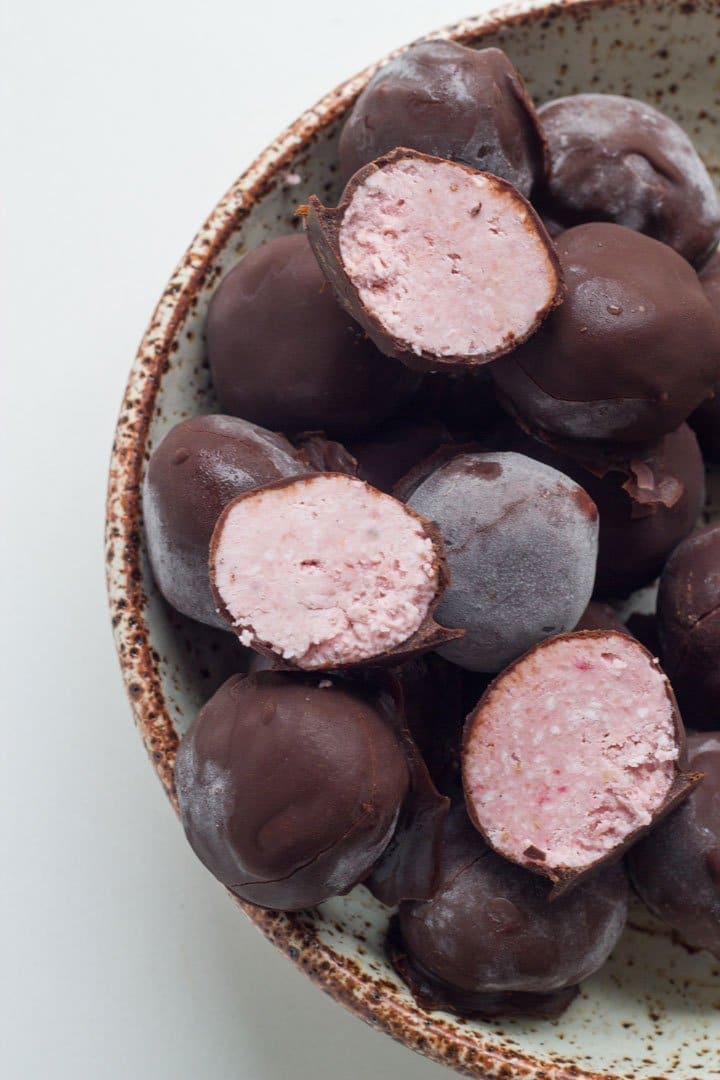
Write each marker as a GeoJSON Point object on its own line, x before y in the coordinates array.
{"type": "Point", "coordinates": [575, 751]}
{"type": "Point", "coordinates": [324, 571]}
{"type": "Point", "coordinates": [450, 262]}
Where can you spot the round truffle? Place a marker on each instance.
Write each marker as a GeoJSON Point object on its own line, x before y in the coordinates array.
{"type": "Point", "coordinates": [199, 467]}
{"type": "Point", "coordinates": [689, 626]}
{"type": "Point", "coordinates": [572, 753]}
{"type": "Point", "coordinates": [521, 545]}
{"type": "Point", "coordinates": [648, 497]}
{"type": "Point", "coordinates": [676, 869]}
{"type": "Point", "coordinates": [328, 572]}
{"type": "Point", "coordinates": [617, 159]}
{"type": "Point", "coordinates": [453, 102]}
{"type": "Point", "coordinates": [290, 787]}
{"type": "Point", "coordinates": [489, 942]}
{"type": "Point", "coordinates": [705, 421]}
{"type": "Point", "coordinates": [283, 353]}
{"type": "Point", "coordinates": [631, 352]}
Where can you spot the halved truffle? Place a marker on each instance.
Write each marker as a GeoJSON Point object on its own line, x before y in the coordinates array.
{"type": "Point", "coordinates": [328, 572]}
{"type": "Point", "coordinates": [427, 254]}
{"type": "Point", "coordinates": [489, 943]}
{"type": "Point", "coordinates": [521, 543]}
{"type": "Point", "coordinates": [442, 98]}
{"type": "Point", "coordinates": [573, 753]}
{"type": "Point", "coordinates": [631, 352]}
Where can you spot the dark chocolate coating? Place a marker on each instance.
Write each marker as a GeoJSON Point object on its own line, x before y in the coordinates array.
{"type": "Point", "coordinates": [199, 467]}
{"type": "Point", "coordinates": [599, 616]}
{"type": "Point", "coordinates": [617, 159]}
{"type": "Point", "coordinates": [689, 626]}
{"type": "Point", "coordinates": [433, 693]}
{"type": "Point", "coordinates": [705, 421]}
{"type": "Point", "coordinates": [453, 102]}
{"type": "Point", "coordinates": [388, 453]}
{"type": "Point", "coordinates": [490, 929]}
{"type": "Point", "coordinates": [631, 352]}
{"type": "Point", "coordinates": [635, 537]}
{"type": "Point", "coordinates": [290, 790]}
{"type": "Point", "coordinates": [283, 353]}
{"type": "Point", "coordinates": [676, 869]}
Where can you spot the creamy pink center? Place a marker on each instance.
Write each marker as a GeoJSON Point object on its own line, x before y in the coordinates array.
{"type": "Point", "coordinates": [575, 751]}
{"type": "Point", "coordinates": [448, 261]}
{"type": "Point", "coordinates": [325, 570]}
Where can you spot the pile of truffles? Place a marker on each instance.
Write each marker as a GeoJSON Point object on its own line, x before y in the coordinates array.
{"type": "Point", "coordinates": [460, 424]}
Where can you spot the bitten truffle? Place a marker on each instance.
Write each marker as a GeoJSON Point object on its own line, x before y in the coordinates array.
{"type": "Point", "coordinates": [705, 421]}
{"type": "Point", "coordinates": [521, 543]}
{"type": "Point", "coordinates": [444, 99]}
{"type": "Point", "coordinates": [328, 572]}
{"type": "Point", "coordinates": [634, 348]}
{"type": "Point", "coordinates": [573, 753]}
{"type": "Point", "coordinates": [676, 869]}
{"type": "Point", "coordinates": [426, 255]}
{"type": "Point", "coordinates": [689, 626]}
{"type": "Point", "coordinates": [199, 467]}
{"type": "Point", "coordinates": [617, 159]}
{"type": "Point", "coordinates": [489, 943]}
{"type": "Point", "coordinates": [290, 788]}
{"type": "Point", "coordinates": [283, 353]}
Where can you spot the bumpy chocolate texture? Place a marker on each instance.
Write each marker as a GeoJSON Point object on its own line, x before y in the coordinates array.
{"type": "Point", "coordinates": [676, 869]}
{"type": "Point", "coordinates": [425, 255]}
{"type": "Point", "coordinates": [200, 466]}
{"type": "Point", "coordinates": [290, 788]}
{"type": "Point", "coordinates": [489, 943]}
{"type": "Point", "coordinates": [706, 419]}
{"type": "Point", "coordinates": [283, 353]}
{"type": "Point", "coordinates": [689, 626]}
{"type": "Point", "coordinates": [521, 544]}
{"type": "Point", "coordinates": [452, 102]}
{"type": "Point", "coordinates": [324, 572]}
{"type": "Point", "coordinates": [648, 498]}
{"type": "Point", "coordinates": [617, 159]}
{"type": "Point", "coordinates": [573, 753]}
{"type": "Point", "coordinates": [631, 352]}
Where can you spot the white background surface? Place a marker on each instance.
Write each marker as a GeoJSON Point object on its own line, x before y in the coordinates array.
{"type": "Point", "coordinates": [121, 125]}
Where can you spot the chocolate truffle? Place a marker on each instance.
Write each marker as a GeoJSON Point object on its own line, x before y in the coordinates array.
{"type": "Point", "coordinates": [705, 421]}
{"type": "Point", "coordinates": [328, 572]}
{"type": "Point", "coordinates": [631, 352]}
{"type": "Point", "coordinates": [426, 254]}
{"type": "Point", "coordinates": [289, 787]}
{"type": "Point", "coordinates": [689, 626]}
{"type": "Point", "coordinates": [617, 159]}
{"type": "Point", "coordinates": [199, 467]}
{"type": "Point", "coordinates": [385, 455]}
{"type": "Point", "coordinates": [489, 943]}
{"type": "Point", "coordinates": [573, 753]}
{"type": "Point", "coordinates": [599, 616]}
{"type": "Point", "coordinates": [444, 99]}
{"type": "Point", "coordinates": [521, 543]}
{"type": "Point", "coordinates": [434, 699]}
{"type": "Point", "coordinates": [283, 353]}
{"type": "Point", "coordinates": [676, 869]}
{"type": "Point", "coordinates": [648, 498]}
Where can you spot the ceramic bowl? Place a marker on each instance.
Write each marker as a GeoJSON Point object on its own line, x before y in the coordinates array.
{"type": "Point", "coordinates": [653, 1010]}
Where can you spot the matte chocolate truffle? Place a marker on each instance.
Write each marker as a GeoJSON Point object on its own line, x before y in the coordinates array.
{"type": "Point", "coordinates": [676, 869]}
{"type": "Point", "coordinates": [385, 455]}
{"type": "Point", "coordinates": [452, 102]}
{"type": "Point", "coordinates": [199, 467]}
{"type": "Point", "coordinates": [426, 254]}
{"type": "Point", "coordinates": [689, 626]}
{"type": "Point", "coordinates": [617, 159]}
{"type": "Point", "coordinates": [283, 353]}
{"type": "Point", "coordinates": [489, 943]}
{"type": "Point", "coordinates": [573, 753]}
{"type": "Point", "coordinates": [648, 498]}
{"type": "Point", "coordinates": [328, 572]}
{"type": "Point", "coordinates": [521, 543]}
{"type": "Point", "coordinates": [290, 788]}
{"type": "Point", "coordinates": [705, 421]}
{"type": "Point", "coordinates": [631, 352]}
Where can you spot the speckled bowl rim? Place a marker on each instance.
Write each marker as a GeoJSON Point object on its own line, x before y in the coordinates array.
{"type": "Point", "coordinates": [369, 998]}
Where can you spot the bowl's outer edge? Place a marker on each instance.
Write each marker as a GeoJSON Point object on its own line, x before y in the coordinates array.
{"type": "Point", "coordinates": [346, 982]}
